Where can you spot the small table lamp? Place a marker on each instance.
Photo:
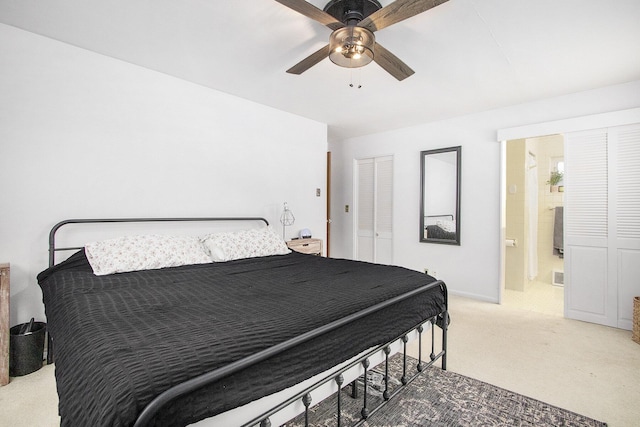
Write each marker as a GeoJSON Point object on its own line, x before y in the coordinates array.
{"type": "Point", "coordinates": [286, 218]}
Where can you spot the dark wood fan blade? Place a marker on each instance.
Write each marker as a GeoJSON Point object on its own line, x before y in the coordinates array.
{"type": "Point", "coordinates": [309, 61]}
{"type": "Point", "coordinates": [391, 63]}
{"type": "Point", "coordinates": [309, 10]}
{"type": "Point", "coordinates": [397, 11]}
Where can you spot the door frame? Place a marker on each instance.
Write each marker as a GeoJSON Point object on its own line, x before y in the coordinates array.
{"type": "Point", "coordinates": [595, 121]}
{"type": "Point", "coordinates": [328, 197]}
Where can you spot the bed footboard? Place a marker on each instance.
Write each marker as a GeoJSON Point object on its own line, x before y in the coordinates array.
{"type": "Point", "coordinates": [364, 361]}
{"type": "Point", "coordinates": [336, 380]}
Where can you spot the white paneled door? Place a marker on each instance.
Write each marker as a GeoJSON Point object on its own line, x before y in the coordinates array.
{"type": "Point", "coordinates": [627, 225]}
{"type": "Point", "coordinates": [602, 225]}
{"type": "Point", "coordinates": [374, 210]}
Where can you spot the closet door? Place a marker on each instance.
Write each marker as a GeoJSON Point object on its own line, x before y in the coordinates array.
{"type": "Point", "coordinates": [365, 209]}
{"type": "Point", "coordinates": [384, 211]}
{"type": "Point", "coordinates": [374, 208]}
{"type": "Point", "coordinates": [590, 294]}
{"type": "Point", "coordinates": [625, 196]}
{"type": "Point", "coordinates": [602, 225]}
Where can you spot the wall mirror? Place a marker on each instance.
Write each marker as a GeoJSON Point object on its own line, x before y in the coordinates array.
{"type": "Point", "coordinates": [440, 196]}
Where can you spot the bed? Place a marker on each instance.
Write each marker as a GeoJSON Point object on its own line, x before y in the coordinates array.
{"type": "Point", "coordinates": [440, 227]}
{"type": "Point", "coordinates": [180, 344]}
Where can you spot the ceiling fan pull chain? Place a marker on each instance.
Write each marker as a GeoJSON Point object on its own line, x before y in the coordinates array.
{"type": "Point", "coordinates": [359, 71]}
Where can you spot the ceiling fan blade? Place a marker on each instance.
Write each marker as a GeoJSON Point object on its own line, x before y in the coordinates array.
{"type": "Point", "coordinates": [397, 11]}
{"type": "Point", "coordinates": [310, 11]}
{"type": "Point", "coordinates": [391, 63]}
{"type": "Point", "coordinates": [309, 61]}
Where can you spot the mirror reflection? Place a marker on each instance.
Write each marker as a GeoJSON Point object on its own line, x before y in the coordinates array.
{"type": "Point", "coordinates": [440, 196]}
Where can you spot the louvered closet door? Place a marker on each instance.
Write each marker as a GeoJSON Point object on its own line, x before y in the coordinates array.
{"type": "Point", "coordinates": [626, 197]}
{"type": "Point", "coordinates": [602, 225]}
{"type": "Point", "coordinates": [374, 207]}
{"type": "Point", "coordinates": [589, 295]}
{"type": "Point", "coordinates": [384, 209]}
{"type": "Point", "coordinates": [365, 204]}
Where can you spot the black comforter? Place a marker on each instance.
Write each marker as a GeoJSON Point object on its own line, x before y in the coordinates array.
{"type": "Point", "coordinates": [122, 339]}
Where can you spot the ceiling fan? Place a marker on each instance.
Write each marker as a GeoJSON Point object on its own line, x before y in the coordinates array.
{"type": "Point", "coordinates": [352, 43]}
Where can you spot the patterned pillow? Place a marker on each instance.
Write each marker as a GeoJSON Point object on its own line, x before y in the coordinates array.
{"type": "Point", "coordinates": [244, 244]}
{"type": "Point", "coordinates": [133, 253]}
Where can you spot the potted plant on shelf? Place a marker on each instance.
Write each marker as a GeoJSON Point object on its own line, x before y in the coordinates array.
{"type": "Point", "coordinates": [554, 180]}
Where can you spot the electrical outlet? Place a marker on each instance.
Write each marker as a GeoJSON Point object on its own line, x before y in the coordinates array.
{"type": "Point", "coordinates": [317, 192]}
{"type": "Point", "coordinates": [431, 273]}
{"type": "Point", "coordinates": [346, 208]}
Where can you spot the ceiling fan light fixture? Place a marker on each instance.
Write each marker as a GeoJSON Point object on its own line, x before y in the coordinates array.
{"type": "Point", "coordinates": [351, 46]}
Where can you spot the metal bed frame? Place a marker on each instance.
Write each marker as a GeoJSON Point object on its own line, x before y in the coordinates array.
{"type": "Point", "coordinates": [55, 228]}
{"type": "Point", "coordinates": [440, 216]}
{"type": "Point", "coordinates": [441, 320]}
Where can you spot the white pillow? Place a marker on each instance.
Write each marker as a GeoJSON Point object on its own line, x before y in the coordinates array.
{"type": "Point", "coordinates": [446, 225]}
{"type": "Point", "coordinates": [251, 243]}
{"type": "Point", "coordinates": [133, 253]}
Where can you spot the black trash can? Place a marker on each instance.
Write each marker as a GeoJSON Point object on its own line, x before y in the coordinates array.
{"type": "Point", "coordinates": [26, 350]}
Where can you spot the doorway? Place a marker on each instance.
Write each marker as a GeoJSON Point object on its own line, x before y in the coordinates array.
{"type": "Point", "coordinates": [534, 253]}
{"type": "Point", "coordinates": [601, 233]}
{"type": "Point", "coordinates": [328, 196]}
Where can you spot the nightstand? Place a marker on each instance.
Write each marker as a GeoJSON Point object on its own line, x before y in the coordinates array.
{"type": "Point", "coordinates": [306, 246]}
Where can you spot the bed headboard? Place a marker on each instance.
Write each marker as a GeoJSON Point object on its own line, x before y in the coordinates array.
{"type": "Point", "coordinates": [447, 216]}
{"type": "Point", "coordinates": [52, 234]}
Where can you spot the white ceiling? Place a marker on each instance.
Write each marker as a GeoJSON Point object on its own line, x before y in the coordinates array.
{"type": "Point", "coordinates": [468, 55]}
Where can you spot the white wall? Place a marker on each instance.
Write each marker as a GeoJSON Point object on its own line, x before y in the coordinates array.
{"type": "Point", "coordinates": [84, 135]}
{"type": "Point", "coordinates": [441, 183]}
{"type": "Point", "coordinates": [473, 268]}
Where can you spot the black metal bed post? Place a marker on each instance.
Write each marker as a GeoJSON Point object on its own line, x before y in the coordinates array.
{"type": "Point", "coordinates": [420, 366]}
{"type": "Point", "coordinates": [306, 401]}
{"type": "Point", "coordinates": [445, 325]}
{"type": "Point", "coordinates": [365, 410]}
{"type": "Point", "coordinates": [339, 381]}
{"type": "Point", "coordinates": [432, 356]}
{"type": "Point", "coordinates": [385, 394]}
{"type": "Point", "coordinates": [404, 378]}
{"type": "Point", "coordinates": [444, 341]}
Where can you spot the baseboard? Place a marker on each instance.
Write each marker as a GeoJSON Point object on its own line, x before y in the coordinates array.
{"type": "Point", "coordinates": [473, 296]}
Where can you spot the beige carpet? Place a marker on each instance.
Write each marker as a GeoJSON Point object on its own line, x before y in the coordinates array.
{"type": "Point", "coordinates": [586, 368]}
{"type": "Point", "coordinates": [589, 369]}
{"type": "Point", "coordinates": [30, 400]}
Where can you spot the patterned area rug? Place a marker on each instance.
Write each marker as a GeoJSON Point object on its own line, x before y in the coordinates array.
{"type": "Point", "coordinates": [443, 398]}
